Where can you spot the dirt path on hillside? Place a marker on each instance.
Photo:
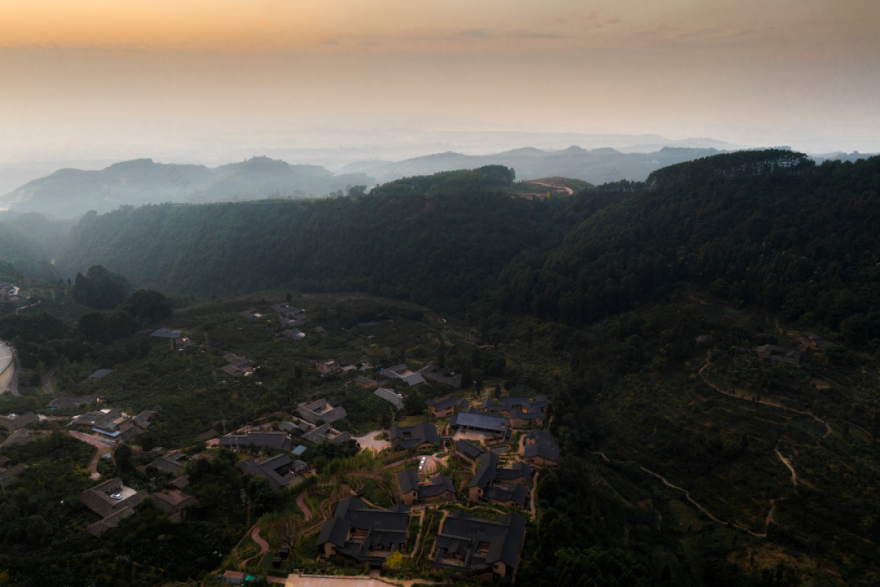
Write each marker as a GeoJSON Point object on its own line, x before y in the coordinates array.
{"type": "Point", "coordinates": [534, 493]}
{"type": "Point", "coordinates": [264, 547]}
{"type": "Point", "coordinates": [687, 494]}
{"type": "Point", "coordinates": [567, 190]}
{"type": "Point", "coordinates": [47, 379]}
{"type": "Point", "coordinates": [828, 430]}
{"type": "Point", "coordinates": [301, 504]}
{"type": "Point", "coordinates": [787, 463]}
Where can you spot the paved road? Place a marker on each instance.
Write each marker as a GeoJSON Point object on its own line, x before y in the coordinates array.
{"type": "Point", "coordinates": [13, 386]}
{"type": "Point", "coordinates": [47, 380]}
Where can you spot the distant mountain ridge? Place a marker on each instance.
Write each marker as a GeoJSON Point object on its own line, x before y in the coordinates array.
{"type": "Point", "coordinates": [73, 192]}
{"type": "Point", "coordinates": [595, 166]}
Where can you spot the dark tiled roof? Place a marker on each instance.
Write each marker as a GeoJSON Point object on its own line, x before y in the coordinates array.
{"type": "Point", "coordinates": [276, 440]}
{"type": "Point", "coordinates": [408, 480]}
{"type": "Point", "coordinates": [165, 333]}
{"type": "Point", "coordinates": [519, 470]}
{"type": "Point", "coordinates": [486, 473]}
{"type": "Point", "coordinates": [416, 435]}
{"type": "Point", "coordinates": [444, 403]}
{"type": "Point", "coordinates": [546, 452]}
{"type": "Point", "coordinates": [384, 528]}
{"type": "Point", "coordinates": [100, 373]}
{"type": "Point", "coordinates": [390, 396]}
{"type": "Point", "coordinates": [437, 486]}
{"type": "Point", "coordinates": [463, 534]}
{"type": "Point", "coordinates": [541, 437]}
{"type": "Point", "coordinates": [516, 493]}
{"type": "Point", "coordinates": [479, 421]}
{"type": "Point", "coordinates": [469, 448]}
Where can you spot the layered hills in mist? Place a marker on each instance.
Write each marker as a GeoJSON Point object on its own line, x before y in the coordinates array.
{"type": "Point", "coordinates": [73, 192]}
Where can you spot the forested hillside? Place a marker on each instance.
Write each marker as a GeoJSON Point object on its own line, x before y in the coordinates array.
{"type": "Point", "coordinates": [438, 240]}
{"type": "Point", "coordinates": [767, 227]}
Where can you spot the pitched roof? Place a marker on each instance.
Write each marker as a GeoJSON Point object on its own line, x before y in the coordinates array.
{"type": "Point", "coordinates": [277, 440]}
{"type": "Point", "coordinates": [541, 437]}
{"type": "Point", "coordinates": [444, 403]}
{"type": "Point", "coordinates": [518, 470]}
{"type": "Point", "coordinates": [486, 473]}
{"type": "Point", "coordinates": [384, 528]}
{"type": "Point", "coordinates": [390, 396]}
{"type": "Point", "coordinates": [516, 493]}
{"type": "Point", "coordinates": [480, 421]}
{"type": "Point", "coordinates": [415, 435]}
{"type": "Point", "coordinates": [464, 534]}
{"type": "Point", "coordinates": [546, 452]}
{"type": "Point", "coordinates": [438, 485]}
{"type": "Point", "coordinates": [165, 333]}
{"type": "Point", "coordinates": [100, 373]}
{"type": "Point", "coordinates": [268, 468]}
{"type": "Point", "coordinates": [469, 448]}
{"type": "Point", "coordinates": [408, 480]}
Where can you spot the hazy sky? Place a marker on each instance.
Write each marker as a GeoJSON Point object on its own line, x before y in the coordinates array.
{"type": "Point", "coordinates": [90, 73]}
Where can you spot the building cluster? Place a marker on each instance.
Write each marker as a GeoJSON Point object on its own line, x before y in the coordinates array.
{"type": "Point", "coordinates": [113, 425]}
{"type": "Point", "coordinates": [175, 338]}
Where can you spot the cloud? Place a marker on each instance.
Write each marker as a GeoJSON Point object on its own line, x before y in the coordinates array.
{"type": "Point", "coordinates": [612, 20]}
{"type": "Point", "coordinates": [331, 42]}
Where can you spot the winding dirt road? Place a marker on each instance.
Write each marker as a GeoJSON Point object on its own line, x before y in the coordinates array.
{"type": "Point", "coordinates": [47, 379]}
{"type": "Point", "coordinates": [301, 504]}
{"type": "Point", "coordinates": [568, 190]}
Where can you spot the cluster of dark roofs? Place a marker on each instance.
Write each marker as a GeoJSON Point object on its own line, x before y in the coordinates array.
{"type": "Point", "coordinates": [237, 365]}
{"type": "Point", "coordinates": [432, 371]}
{"type": "Point", "coordinates": [413, 436]}
{"type": "Point", "coordinates": [540, 444]}
{"type": "Point", "coordinates": [114, 424]}
{"type": "Point", "coordinates": [113, 501]}
{"type": "Point", "coordinates": [364, 534]}
{"type": "Point", "coordinates": [326, 432]}
{"type": "Point", "coordinates": [270, 439]}
{"type": "Point", "coordinates": [279, 470]}
{"type": "Point", "coordinates": [492, 423]}
{"type": "Point", "coordinates": [778, 353]}
{"type": "Point", "coordinates": [474, 545]}
{"type": "Point", "coordinates": [492, 480]}
{"type": "Point", "coordinates": [445, 403]}
{"type": "Point", "coordinates": [320, 410]}
{"type": "Point", "coordinates": [409, 481]}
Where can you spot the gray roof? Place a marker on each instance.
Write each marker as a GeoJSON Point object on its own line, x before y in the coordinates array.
{"type": "Point", "coordinates": [518, 470]}
{"type": "Point", "coordinates": [486, 473]}
{"type": "Point", "coordinates": [268, 468]}
{"type": "Point", "coordinates": [447, 402]}
{"type": "Point", "coordinates": [479, 421]}
{"type": "Point", "coordinates": [408, 480]}
{"type": "Point", "coordinates": [276, 440]}
{"type": "Point", "coordinates": [541, 437]}
{"type": "Point", "coordinates": [546, 452]}
{"type": "Point", "coordinates": [165, 333]}
{"type": "Point", "coordinates": [384, 528]}
{"type": "Point", "coordinates": [100, 373]}
{"type": "Point", "coordinates": [463, 534]}
{"type": "Point", "coordinates": [390, 396]}
{"type": "Point", "coordinates": [469, 448]}
{"type": "Point", "coordinates": [516, 493]}
{"type": "Point", "coordinates": [416, 435]}
{"type": "Point", "coordinates": [438, 485]}
{"type": "Point", "coordinates": [781, 354]}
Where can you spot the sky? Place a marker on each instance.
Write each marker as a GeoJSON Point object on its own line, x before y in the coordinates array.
{"type": "Point", "coordinates": [102, 78]}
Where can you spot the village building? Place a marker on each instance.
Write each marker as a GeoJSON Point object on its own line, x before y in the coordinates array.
{"type": "Point", "coordinates": [251, 314]}
{"type": "Point", "coordinates": [327, 366]}
{"type": "Point", "coordinates": [320, 410]}
{"type": "Point", "coordinates": [440, 488]}
{"type": "Point", "coordinates": [480, 548]}
{"type": "Point", "coordinates": [812, 339]}
{"type": "Point", "coordinates": [10, 475]}
{"type": "Point", "coordinates": [365, 535]}
{"type": "Point", "coordinates": [324, 432]}
{"type": "Point", "coordinates": [270, 439]}
{"type": "Point", "coordinates": [432, 372]}
{"type": "Point", "coordinates": [13, 422]}
{"type": "Point", "coordinates": [365, 383]}
{"type": "Point", "coordinates": [390, 396]}
{"type": "Point", "coordinates": [99, 374]}
{"type": "Point", "coordinates": [495, 484]}
{"type": "Point", "coordinates": [446, 406]}
{"type": "Point", "coordinates": [402, 373]}
{"type": "Point", "coordinates": [174, 503]}
{"type": "Point", "coordinates": [280, 471]}
{"type": "Point", "coordinates": [779, 354]}
{"type": "Point", "coordinates": [175, 338]}
{"type": "Point", "coordinates": [24, 436]}
{"type": "Point", "coordinates": [468, 449]}
{"type": "Point", "coordinates": [294, 333]}
{"type": "Point", "coordinates": [540, 449]}
{"type": "Point", "coordinates": [69, 402]}
{"type": "Point", "coordinates": [173, 462]}
{"type": "Point", "coordinates": [493, 426]}
{"type": "Point", "coordinates": [238, 365]}
{"type": "Point", "coordinates": [111, 500]}
{"type": "Point", "coordinates": [420, 435]}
